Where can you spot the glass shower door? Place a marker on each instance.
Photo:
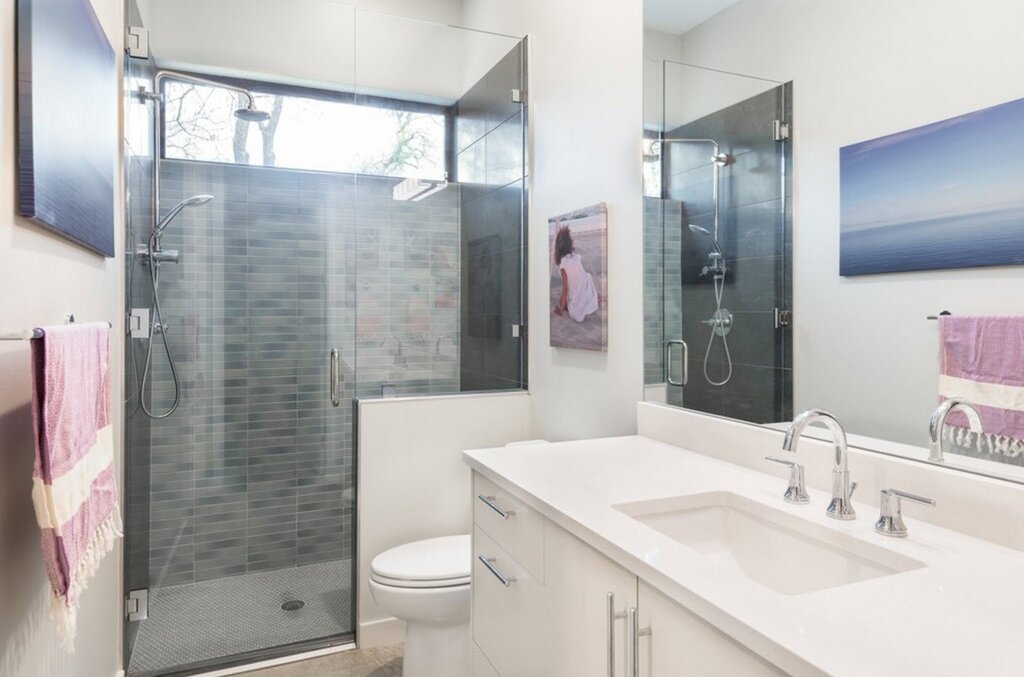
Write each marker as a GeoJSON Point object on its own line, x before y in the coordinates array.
{"type": "Point", "coordinates": [725, 213]}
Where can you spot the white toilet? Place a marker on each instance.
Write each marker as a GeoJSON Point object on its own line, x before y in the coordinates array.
{"type": "Point", "coordinates": [426, 584]}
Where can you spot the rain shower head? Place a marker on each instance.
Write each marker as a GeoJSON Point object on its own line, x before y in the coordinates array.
{"type": "Point", "coordinates": [252, 114]}
{"type": "Point", "coordinates": [193, 201]}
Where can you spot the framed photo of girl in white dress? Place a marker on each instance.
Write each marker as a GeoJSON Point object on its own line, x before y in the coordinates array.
{"type": "Point", "coordinates": [578, 243]}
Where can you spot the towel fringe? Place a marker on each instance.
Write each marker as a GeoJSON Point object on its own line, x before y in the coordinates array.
{"type": "Point", "coordinates": [64, 608]}
{"type": "Point", "coordinates": [984, 443]}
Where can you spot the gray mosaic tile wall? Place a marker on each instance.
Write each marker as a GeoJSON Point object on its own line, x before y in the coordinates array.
{"type": "Point", "coordinates": [756, 236]}
{"type": "Point", "coordinates": [490, 165]}
{"type": "Point", "coordinates": [255, 470]}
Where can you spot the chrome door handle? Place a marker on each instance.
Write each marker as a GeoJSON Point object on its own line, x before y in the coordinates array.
{"type": "Point", "coordinates": [668, 362]}
{"type": "Point", "coordinates": [613, 616]}
{"type": "Point", "coordinates": [635, 634]}
{"type": "Point", "coordinates": [489, 502]}
{"type": "Point", "coordinates": [489, 563]}
{"type": "Point", "coordinates": [335, 377]}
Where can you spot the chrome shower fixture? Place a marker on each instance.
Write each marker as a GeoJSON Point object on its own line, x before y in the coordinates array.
{"type": "Point", "coordinates": [249, 113]}
{"type": "Point", "coordinates": [717, 266]}
{"type": "Point", "coordinates": [193, 201]}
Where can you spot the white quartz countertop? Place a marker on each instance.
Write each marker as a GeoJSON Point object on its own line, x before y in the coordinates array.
{"type": "Point", "coordinates": [961, 614]}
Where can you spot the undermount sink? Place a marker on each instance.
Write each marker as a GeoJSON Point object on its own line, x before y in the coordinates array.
{"type": "Point", "coordinates": [773, 548]}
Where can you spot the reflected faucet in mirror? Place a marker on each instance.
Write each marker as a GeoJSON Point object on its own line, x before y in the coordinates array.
{"type": "Point", "coordinates": [938, 422]}
{"type": "Point", "coordinates": [840, 507]}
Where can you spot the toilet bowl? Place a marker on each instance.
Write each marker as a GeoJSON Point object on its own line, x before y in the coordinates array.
{"type": "Point", "coordinates": [426, 584]}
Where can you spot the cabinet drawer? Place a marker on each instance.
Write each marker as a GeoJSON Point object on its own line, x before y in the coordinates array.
{"type": "Point", "coordinates": [506, 600]}
{"type": "Point", "coordinates": [515, 527]}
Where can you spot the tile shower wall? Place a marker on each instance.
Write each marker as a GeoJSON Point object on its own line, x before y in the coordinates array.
{"type": "Point", "coordinates": [255, 471]}
{"type": "Point", "coordinates": [490, 164]}
{"type": "Point", "coordinates": [407, 290]}
{"type": "Point", "coordinates": [755, 234]}
{"type": "Point", "coordinates": [663, 311]}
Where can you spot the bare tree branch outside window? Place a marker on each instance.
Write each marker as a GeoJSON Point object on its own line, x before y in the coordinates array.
{"type": "Point", "coordinates": [200, 125]}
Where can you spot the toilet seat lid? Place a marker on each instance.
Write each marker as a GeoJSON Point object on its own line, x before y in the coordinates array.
{"type": "Point", "coordinates": [439, 561]}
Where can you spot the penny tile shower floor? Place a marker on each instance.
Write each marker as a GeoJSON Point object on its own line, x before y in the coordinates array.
{"type": "Point", "coordinates": [198, 622]}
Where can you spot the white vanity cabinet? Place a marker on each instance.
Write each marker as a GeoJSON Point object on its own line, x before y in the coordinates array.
{"type": "Point", "coordinates": [584, 613]}
{"type": "Point", "coordinates": [675, 642]}
{"type": "Point", "coordinates": [549, 605]}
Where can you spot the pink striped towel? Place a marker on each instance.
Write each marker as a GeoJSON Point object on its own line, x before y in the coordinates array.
{"type": "Point", "coordinates": [982, 360]}
{"type": "Point", "coordinates": [74, 488]}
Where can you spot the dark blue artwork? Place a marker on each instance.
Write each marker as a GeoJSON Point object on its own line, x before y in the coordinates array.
{"type": "Point", "coordinates": [946, 195]}
{"type": "Point", "coordinates": [67, 121]}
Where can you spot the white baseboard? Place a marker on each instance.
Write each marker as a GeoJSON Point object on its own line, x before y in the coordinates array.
{"type": "Point", "coordinates": [381, 633]}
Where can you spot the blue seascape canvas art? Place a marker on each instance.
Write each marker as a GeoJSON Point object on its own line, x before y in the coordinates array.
{"type": "Point", "coordinates": [946, 195]}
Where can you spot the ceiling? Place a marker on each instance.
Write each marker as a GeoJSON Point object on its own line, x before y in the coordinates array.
{"type": "Point", "coordinates": [679, 16]}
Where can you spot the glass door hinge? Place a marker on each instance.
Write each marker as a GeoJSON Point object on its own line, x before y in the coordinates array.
{"type": "Point", "coordinates": [783, 318]}
{"type": "Point", "coordinates": [517, 96]}
{"type": "Point", "coordinates": [780, 130]}
{"type": "Point", "coordinates": [517, 330]}
{"type": "Point", "coordinates": [136, 605]}
{"type": "Point", "coordinates": [136, 42]}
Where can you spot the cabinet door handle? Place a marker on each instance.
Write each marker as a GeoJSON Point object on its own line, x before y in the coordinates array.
{"type": "Point", "coordinates": [489, 502]}
{"type": "Point", "coordinates": [613, 616]}
{"type": "Point", "coordinates": [635, 633]}
{"type": "Point", "coordinates": [489, 563]}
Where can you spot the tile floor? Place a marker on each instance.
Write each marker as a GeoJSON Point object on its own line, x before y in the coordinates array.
{"type": "Point", "coordinates": [383, 661]}
{"type": "Point", "coordinates": [211, 619]}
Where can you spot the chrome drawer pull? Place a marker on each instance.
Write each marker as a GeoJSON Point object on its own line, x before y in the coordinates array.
{"type": "Point", "coordinates": [489, 502]}
{"type": "Point", "coordinates": [489, 563]}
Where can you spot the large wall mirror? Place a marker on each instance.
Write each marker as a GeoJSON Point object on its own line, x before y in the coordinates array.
{"type": "Point", "coordinates": [821, 182]}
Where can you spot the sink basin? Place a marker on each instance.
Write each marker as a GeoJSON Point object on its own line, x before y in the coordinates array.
{"type": "Point", "coordinates": [773, 548]}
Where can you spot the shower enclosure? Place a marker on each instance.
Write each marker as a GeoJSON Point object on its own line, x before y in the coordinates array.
{"type": "Point", "coordinates": [332, 228]}
{"type": "Point", "coordinates": [718, 234]}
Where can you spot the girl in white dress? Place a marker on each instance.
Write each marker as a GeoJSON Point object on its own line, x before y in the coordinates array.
{"type": "Point", "coordinates": [579, 293]}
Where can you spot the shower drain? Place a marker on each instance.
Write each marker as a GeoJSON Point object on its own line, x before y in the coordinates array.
{"type": "Point", "coordinates": [293, 605]}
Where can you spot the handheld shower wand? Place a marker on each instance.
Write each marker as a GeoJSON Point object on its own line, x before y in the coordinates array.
{"type": "Point", "coordinates": [721, 322]}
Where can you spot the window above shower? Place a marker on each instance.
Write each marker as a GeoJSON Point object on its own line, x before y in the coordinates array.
{"type": "Point", "coordinates": [308, 129]}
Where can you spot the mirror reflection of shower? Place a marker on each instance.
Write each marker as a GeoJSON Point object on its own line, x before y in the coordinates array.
{"type": "Point", "coordinates": [721, 321]}
{"type": "Point", "coordinates": [152, 254]}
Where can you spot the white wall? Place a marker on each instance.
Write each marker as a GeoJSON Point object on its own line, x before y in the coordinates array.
{"type": "Point", "coordinates": [412, 481]}
{"type": "Point", "coordinates": [586, 120]}
{"type": "Point", "coordinates": [862, 346]}
{"type": "Point", "coordinates": [396, 48]}
{"type": "Point", "coordinates": [42, 276]}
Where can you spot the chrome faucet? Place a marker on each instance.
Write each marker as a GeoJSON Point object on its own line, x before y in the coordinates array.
{"type": "Point", "coordinates": [840, 507]}
{"type": "Point", "coordinates": [938, 422]}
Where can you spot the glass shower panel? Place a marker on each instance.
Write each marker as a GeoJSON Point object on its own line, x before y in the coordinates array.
{"type": "Point", "coordinates": [725, 239]}
{"type": "Point", "coordinates": [439, 288]}
{"type": "Point", "coordinates": [242, 533]}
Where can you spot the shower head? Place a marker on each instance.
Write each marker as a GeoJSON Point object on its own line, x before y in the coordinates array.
{"type": "Point", "coordinates": [704, 231]}
{"type": "Point", "coordinates": [193, 201]}
{"type": "Point", "coordinates": [252, 114]}
{"type": "Point", "coordinates": [717, 257]}
{"type": "Point", "coordinates": [196, 200]}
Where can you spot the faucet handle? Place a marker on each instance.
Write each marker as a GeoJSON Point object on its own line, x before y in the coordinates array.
{"type": "Point", "coordinates": [890, 522]}
{"type": "Point", "coordinates": [796, 492]}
